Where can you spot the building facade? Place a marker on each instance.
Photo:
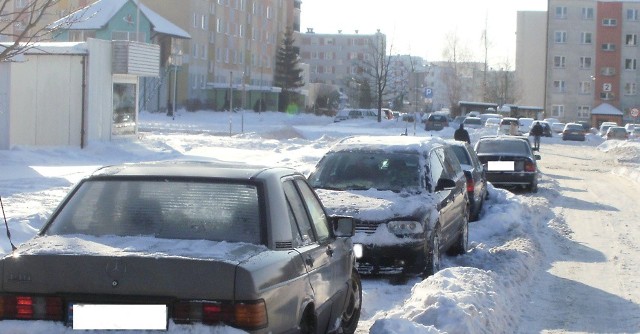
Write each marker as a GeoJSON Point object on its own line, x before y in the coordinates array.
{"type": "Point", "coordinates": [531, 51]}
{"type": "Point", "coordinates": [592, 57]}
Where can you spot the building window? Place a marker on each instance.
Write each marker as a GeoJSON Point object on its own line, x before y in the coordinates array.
{"type": "Point", "coordinates": [585, 87]}
{"type": "Point", "coordinates": [609, 22]}
{"type": "Point", "coordinates": [559, 86]}
{"type": "Point", "coordinates": [218, 25]}
{"type": "Point", "coordinates": [632, 14]}
{"type": "Point", "coordinates": [561, 12]}
{"type": "Point", "coordinates": [21, 3]}
{"type": "Point", "coordinates": [584, 111]}
{"type": "Point", "coordinates": [606, 96]}
{"type": "Point", "coordinates": [608, 47]}
{"type": "Point", "coordinates": [585, 62]}
{"type": "Point", "coordinates": [608, 71]}
{"type": "Point", "coordinates": [586, 38]}
{"type": "Point", "coordinates": [630, 64]}
{"type": "Point", "coordinates": [557, 110]}
{"type": "Point", "coordinates": [587, 13]}
{"type": "Point", "coordinates": [631, 39]}
{"type": "Point", "coordinates": [203, 22]}
{"type": "Point", "coordinates": [559, 62]}
{"type": "Point", "coordinates": [560, 37]}
{"type": "Point", "coordinates": [630, 88]}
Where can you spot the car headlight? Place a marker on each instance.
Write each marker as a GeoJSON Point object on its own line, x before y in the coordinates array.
{"type": "Point", "coordinates": [358, 250]}
{"type": "Point", "coordinates": [404, 227]}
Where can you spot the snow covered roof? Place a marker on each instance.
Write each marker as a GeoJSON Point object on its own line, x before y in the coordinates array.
{"type": "Point", "coordinates": [97, 15]}
{"type": "Point", "coordinates": [51, 48]}
{"type": "Point", "coordinates": [606, 109]}
{"type": "Point", "coordinates": [388, 143]}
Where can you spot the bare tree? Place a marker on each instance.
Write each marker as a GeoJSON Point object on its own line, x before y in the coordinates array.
{"type": "Point", "coordinates": [457, 59]}
{"type": "Point", "coordinates": [502, 87]}
{"type": "Point", "coordinates": [24, 26]}
{"type": "Point", "coordinates": [375, 68]}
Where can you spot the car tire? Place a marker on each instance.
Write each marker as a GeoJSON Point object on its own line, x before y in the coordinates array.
{"type": "Point", "coordinates": [308, 322]}
{"type": "Point", "coordinates": [351, 312]}
{"type": "Point", "coordinates": [432, 254]}
{"type": "Point", "coordinates": [533, 187]}
{"type": "Point", "coordinates": [461, 245]}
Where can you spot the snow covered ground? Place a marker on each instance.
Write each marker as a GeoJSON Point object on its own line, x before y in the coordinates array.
{"type": "Point", "coordinates": [484, 291]}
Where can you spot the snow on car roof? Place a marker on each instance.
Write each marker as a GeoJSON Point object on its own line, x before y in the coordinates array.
{"type": "Point", "coordinates": [389, 143]}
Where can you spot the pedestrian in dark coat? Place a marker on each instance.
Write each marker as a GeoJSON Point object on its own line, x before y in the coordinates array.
{"type": "Point", "coordinates": [536, 132]}
{"type": "Point", "coordinates": [461, 134]}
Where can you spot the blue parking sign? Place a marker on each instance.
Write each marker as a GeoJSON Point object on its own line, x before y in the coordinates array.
{"type": "Point", "coordinates": [428, 93]}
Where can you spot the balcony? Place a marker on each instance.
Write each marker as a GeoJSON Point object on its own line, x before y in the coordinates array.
{"type": "Point", "coordinates": [136, 58]}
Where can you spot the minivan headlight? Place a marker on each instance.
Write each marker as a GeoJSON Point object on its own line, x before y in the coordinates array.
{"type": "Point", "coordinates": [404, 227]}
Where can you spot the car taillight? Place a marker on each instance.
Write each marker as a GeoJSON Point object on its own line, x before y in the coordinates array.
{"type": "Point", "coordinates": [470, 185]}
{"type": "Point", "coordinates": [245, 315]}
{"type": "Point", "coordinates": [31, 308]}
{"type": "Point", "coordinates": [529, 167]}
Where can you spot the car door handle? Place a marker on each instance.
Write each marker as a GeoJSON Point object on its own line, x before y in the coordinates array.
{"type": "Point", "coordinates": [309, 261]}
{"type": "Point", "coordinates": [329, 251]}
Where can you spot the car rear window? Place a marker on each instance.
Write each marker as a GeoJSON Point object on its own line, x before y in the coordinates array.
{"type": "Point", "coordinates": [502, 146]}
{"type": "Point", "coordinates": [473, 121]}
{"type": "Point", "coordinates": [438, 118]}
{"type": "Point", "coordinates": [576, 127]}
{"type": "Point", "coordinates": [216, 211]}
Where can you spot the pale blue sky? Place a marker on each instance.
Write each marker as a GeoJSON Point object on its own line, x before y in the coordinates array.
{"type": "Point", "coordinates": [420, 27]}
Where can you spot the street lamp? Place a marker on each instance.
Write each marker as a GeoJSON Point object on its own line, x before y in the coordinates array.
{"type": "Point", "coordinates": [175, 60]}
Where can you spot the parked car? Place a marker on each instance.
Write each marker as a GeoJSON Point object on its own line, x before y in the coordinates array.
{"type": "Point", "coordinates": [616, 132]}
{"type": "Point", "coordinates": [509, 161]}
{"type": "Point", "coordinates": [407, 194]}
{"type": "Point", "coordinates": [472, 123]}
{"type": "Point", "coordinates": [605, 126]}
{"type": "Point", "coordinates": [505, 126]}
{"type": "Point", "coordinates": [585, 125]}
{"type": "Point", "coordinates": [546, 129]}
{"type": "Point", "coordinates": [436, 122]}
{"type": "Point", "coordinates": [345, 114]}
{"type": "Point", "coordinates": [557, 127]}
{"type": "Point", "coordinates": [630, 126]}
{"type": "Point", "coordinates": [525, 124]}
{"type": "Point", "coordinates": [552, 120]}
{"type": "Point", "coordinates": [573, 131]}
{"type": "Point", "coordinates": [190, 242]}
{"type": "Point", "coordinates": [635, 133]}
{"type": "Point", "coordinates": [457, 121]}
{"type": "Point", "coordinates": [485, 117]}
{"type": "Point", "coordinates": [492, 122]}
{"type": "Point", "coordinates": [475, 174]}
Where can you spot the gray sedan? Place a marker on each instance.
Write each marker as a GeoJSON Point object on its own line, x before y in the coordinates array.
{"type": "Point", "coordinates": [149, 246]}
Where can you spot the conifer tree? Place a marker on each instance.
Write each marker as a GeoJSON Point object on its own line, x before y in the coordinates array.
{"type": "Point", "coordinates": [288, 75]}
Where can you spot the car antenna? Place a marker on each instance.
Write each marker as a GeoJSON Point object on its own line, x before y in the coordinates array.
{"type": "Point", "coordinates": [6, 225]}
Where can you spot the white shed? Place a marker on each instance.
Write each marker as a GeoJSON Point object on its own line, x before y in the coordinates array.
{"type": "Point", "coordinates": [69, 94]}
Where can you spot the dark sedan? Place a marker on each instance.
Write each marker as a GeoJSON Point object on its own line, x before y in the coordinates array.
{"type": "Point", "coordinates": [509, 161]}
{"type": "Point", "coordinates": [188, 243]}
{"type": "Point", "coordinates": [573, 131]}
{"type": "Point", "coordinates": [475, 174]}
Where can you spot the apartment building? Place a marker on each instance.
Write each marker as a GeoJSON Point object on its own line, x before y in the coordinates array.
{"type": "Point", "coordinates": [339, 59]}
{"type": "Point", "coordinates": [531, 55]}
{"type": "Point", "coordinates": [592, 57]}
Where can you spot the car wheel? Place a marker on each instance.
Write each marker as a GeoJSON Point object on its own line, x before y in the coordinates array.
{"type": "Point", "coordinates": [433, 256]}
{"type": "Point", "coordinates": [533, 187]}
{"type": "Point", "coordinates": [462, 243]}
{"type": "Point", "coordinates": [308, 322]}
{"type": "Point", "coordinates": [351, 313]}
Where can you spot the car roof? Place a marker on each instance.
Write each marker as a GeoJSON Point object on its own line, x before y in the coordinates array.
{"type": "Point", "coordinates": [388, 143]}
{"type": "Point", "coordinates": [501, 137]}
{"type": "Point", "coordinates": [198, 169]}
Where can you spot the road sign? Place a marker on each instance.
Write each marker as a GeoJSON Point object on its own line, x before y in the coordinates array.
{"type": "Point", "coordinates": [635, 112]}
{"type": "Point", "coordinates": [428, 93]}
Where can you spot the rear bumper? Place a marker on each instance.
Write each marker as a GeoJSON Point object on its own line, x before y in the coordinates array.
{"type": "Point", "coordinates": [511, 178]}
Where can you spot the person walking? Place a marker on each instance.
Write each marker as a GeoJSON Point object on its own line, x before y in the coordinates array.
{"type": "Point", "coordinates": [461, 134]}
{"type": "Point", "coordinates": [536, 131]}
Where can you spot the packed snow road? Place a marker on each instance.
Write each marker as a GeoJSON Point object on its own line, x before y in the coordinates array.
{"type": "Point", "coordinates": [590, 279]}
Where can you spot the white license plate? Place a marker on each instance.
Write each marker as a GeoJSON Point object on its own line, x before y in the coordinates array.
{"type": "Point", "coordinates": [501, 166]}
{"type": "Point", "coordinates": [123, 317]}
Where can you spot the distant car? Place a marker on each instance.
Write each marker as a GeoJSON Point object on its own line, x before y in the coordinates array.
{"type": "Point", "coordinates": [573, 131]}
{"type": "Point", "coordinates": [492, 123]}
{"type": "Point", "coordinates": [485, 117]}
{"type": "Point", "coordinates": [346, 114]}
{"type": "Point", "coordinates": [407, 194]}
{"type": "Point", "coordinates": [472, 123]}
{"type": "Point", "coordinates": [552, 120]}
{"type": "Point", "coordinates": [525, 124]}
{"type": "Point", "coordinates": [616, 132]}
{"type": "Point", "coordinates": [506, 124]}
{"type": "Point", "coordinates": [557, 127]}
{"type": "Point", "coordinates": [189, 243]}
{"type": "Point", "coordinates": [509, 161]}
{"type": "Point", "coordinates": [436, 122]}
{"type": "Point", "coordinates": [457, 121]}
{"type": "Point", "coordinates": [475, 174]}
{"type": "Point", "coordinates": [630, 126]}
{"type": "Point", "coordinates": [585, 125]}
{"type": "Point", "coordinates": [635, 134]}
{"type": "Point", "coordinates": [605, 126]}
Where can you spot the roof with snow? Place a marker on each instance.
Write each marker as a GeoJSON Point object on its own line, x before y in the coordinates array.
{"type": "Point", "coordinates": [97, 15]}
{"type": "Point", "coordinates": [606, 109]}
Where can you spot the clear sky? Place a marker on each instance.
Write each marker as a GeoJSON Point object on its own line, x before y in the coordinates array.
{"type": "Point", "coordinates": [421, 27]}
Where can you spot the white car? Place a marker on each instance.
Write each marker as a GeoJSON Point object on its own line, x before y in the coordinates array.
{"type": "Point", "coordinates": [506, 124]}
{"type": "Point", "coordinates": [557, 127]}
{"type": "Point", "coordinates": [492, 122]}
{"type": "Point", "coordinates": [472, 123]}
{"type": "Point", "coordinates": [525, 124]}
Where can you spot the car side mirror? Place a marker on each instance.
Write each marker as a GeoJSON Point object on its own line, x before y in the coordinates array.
{"type": "Point", "coordinates": [343, 226]}
{"type": "Point", "coordinates": [537, 156]}
{"type": "Point", "coordinates": [445, 184]}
